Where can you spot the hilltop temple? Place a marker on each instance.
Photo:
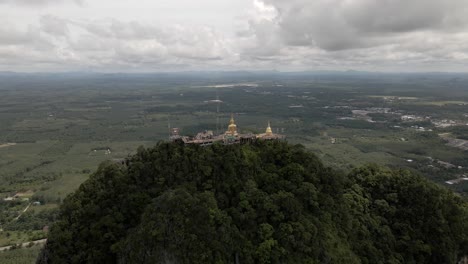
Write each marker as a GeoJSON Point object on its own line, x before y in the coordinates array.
{"type": "Point", "coordinates": [231, 136]}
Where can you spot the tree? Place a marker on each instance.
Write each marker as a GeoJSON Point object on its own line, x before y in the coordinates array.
{"type": "Point", "coordinates": [263, 202]}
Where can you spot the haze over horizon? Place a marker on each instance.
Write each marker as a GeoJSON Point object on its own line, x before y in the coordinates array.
{"type": "Point", "coordinates": [207, 35]}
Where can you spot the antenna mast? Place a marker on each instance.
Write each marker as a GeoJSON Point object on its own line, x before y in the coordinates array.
{"type": "Point", "coordinates": [217, 112]}
{"type": "Point", "coordinates": [169, 126]}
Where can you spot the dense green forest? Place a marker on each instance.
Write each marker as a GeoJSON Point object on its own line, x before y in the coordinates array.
{"type": "Point", "coordinates": [265, 202]}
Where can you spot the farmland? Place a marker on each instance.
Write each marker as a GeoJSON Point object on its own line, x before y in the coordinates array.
{"type": "Point", "coordinates": [55, 130]}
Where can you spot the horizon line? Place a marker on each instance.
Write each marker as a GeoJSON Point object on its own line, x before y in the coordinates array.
{"type": "Point", "coordinates": [233, 71]}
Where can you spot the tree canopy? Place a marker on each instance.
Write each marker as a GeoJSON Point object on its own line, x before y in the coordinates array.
{"type": "Point", "coordinates": [264, 202]}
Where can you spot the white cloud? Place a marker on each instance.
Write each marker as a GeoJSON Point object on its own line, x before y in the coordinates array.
{"type": "Point", "coordinates": [357, 33]}
{"type": "Point", "coordinates": [107, 42]}
{"type": "Point", "coordinates": [212, 34]}
{"type": "Point", "coordinates": [36, 3]}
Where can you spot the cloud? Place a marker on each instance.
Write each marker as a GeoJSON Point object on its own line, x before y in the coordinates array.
{"type": "Point", "coordinates": [112, 43]}
{"type": "Point", "coordinates": [54, 25]}
{"type": "Point", "coordinates": [349, 24]}
{"type": "Point", "coordinates": [272, 34]}
{"type": "Point", "coordinates": [36, 3]}
{"type": "Point", "coordinates": [174, 41]}
{"type": "Point", "coordinates": [9, 35]}
{"type": "Point", "coordinates": [358, 33]}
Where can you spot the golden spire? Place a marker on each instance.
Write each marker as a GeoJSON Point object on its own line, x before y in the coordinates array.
{"type": "Point", "coordinates": [268, 130]}
{"type": "Point", "coordinates": [232, 128]}
{"type": "Point", "coordinates": [231, 122]}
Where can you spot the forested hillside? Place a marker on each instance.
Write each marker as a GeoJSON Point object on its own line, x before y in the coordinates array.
{"type": "Point", "coordinates": [265, 202]}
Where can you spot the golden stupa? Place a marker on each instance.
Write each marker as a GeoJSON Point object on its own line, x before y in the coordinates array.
{"type": "Point", "coordinates": [269, 135]}
{"type": "Point", "coordinates": [232, 128]}
{"type": "Point", "coordinates": [231, 136]}
{"type": "Point", "coordinates": [268, 131]}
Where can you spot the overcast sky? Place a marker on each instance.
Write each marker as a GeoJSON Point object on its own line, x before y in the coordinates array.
{"type": "Point", "coordinates": [181, 35]}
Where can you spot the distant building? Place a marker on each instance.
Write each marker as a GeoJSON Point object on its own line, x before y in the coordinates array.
{"type": "Point", "coordinates": [269, 135]}
{"type": "Point", "coordinates": [207, 134]}
{"type": "Point", "coordinates": [231, 136]}
{"type": "Point", "coordinates": [175, 134]}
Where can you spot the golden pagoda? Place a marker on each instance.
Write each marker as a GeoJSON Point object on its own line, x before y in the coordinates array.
{"type": "Point", "coordinates": [232, 128]}
{"type": "Point", "coordinates": [231, 136]}
{"type": "Point", "coordinates": [268, 131]}
{"type": "Point", "coordinates": [269, 135]}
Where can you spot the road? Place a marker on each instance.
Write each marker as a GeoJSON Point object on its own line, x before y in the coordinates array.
{"type": "Point", "coordinates": [25, 244]}
{"type": "Point", "coordinates": [24, 211]}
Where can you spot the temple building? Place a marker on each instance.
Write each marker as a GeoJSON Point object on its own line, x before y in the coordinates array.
{"type": "Point", "coordinates": [269, 135]}
{"type": "Point", "coordinates": [231, 136]}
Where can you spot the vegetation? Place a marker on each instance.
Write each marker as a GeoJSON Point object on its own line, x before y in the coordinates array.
{"type": "Point", "coordinates": [57, 128]}
{"type": "Point", "coordinates": [33, 221]}
{"type": "Point", "coordinates": [12, 238]}
{"type": "Point", "coordinates": [265, 202]}
{"type": "Point", "coordinates": [20, 255]}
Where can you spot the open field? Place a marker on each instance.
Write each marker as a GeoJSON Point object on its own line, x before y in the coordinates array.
{"type": "Point", "coordinates": [23, 255]}
{"type": "Point", "coordinates": [7, 145]}
{"type": "Point", "coordinates": [16, 237]}
{"type": "Point", "coordinates": [55, 131]}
